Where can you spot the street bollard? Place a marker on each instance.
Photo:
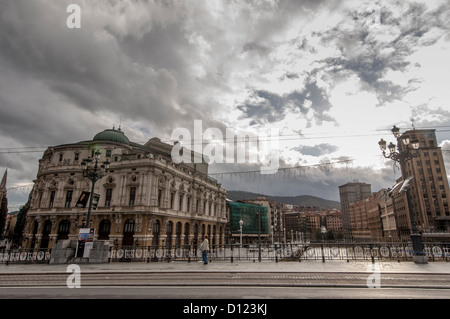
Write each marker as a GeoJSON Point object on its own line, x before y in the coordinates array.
{"type": "Point", "coordinates": [232, 253]}
{"type": "Point", "coordinates": [323, 255]}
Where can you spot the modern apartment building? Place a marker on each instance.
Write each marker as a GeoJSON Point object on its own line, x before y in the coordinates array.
{"type": "Point", "coordinates": [429, 189]}
{"type": "Point", "coordinates": [385, 215]}
{"type": "Point", "coordinates": [334, 221]}
{"type": "Point", "coordinates": [349, 193]}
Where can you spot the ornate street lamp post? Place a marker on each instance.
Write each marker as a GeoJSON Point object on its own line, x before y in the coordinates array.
{"type": "Point", "coordinates": [272, 235]}
{"type": "Point", "coordinates": [406, 151]}
{"type": "Point", "coordinates": [241, 222]}
{"type": "Point", "coordinates": [93, 173]}
{"type": "Point", "coordinates": [259, 231]}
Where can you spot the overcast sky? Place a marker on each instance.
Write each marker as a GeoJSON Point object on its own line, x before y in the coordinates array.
{"type": "Point", "coordinates": [332, 76]}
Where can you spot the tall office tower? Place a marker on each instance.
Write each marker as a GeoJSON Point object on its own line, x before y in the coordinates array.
{"type": "Point", "coordinates": [350, 193]}
{"type": "Point", "coordinates": [429, 189]}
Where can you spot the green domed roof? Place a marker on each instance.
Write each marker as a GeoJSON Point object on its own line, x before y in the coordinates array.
{"type": "Point", "coordinates": [112, 135]}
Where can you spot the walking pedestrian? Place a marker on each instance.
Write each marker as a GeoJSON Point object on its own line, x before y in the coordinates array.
{"type": "Point", "coordinates": [205, 249]}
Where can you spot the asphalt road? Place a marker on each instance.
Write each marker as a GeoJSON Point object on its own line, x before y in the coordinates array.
{"type": "Point", "coordinates": [224, 285]}
{"type": "Point", "coordinates": [219, 292]}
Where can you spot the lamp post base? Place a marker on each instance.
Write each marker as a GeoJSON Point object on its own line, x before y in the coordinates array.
{"type": "Point", "coordinates": [419, 256]}
{"type": "Point", "coordinates": [420, 259]}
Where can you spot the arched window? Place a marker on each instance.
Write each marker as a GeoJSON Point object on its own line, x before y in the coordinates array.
{"type": "Point", "coordinates": [178, 234]}
{"type": "Point", "coordinates": [63, 230]}
{"type": "Point", "coordinates": [169, 231]}
{"type": "Point", "coordinates": [128, 233]}
{"type": "Point", "coordinates": [156, 230]}
{"type": "Point", "coordinates": [195, 235]}
{"type": "Point", "coordinates": [203, 230]}
{"type": "Point", "coordinates": [46, 234]}
{"type": "Point", "coordinates": [35, 229]}
{"type": "Point", "coordinates": [186, 234]}
{"type": "Point", "coordinates": [104, 229]}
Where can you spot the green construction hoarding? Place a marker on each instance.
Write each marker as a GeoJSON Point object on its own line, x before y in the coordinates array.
{"type": "Point", "coordinates": [249, 215]}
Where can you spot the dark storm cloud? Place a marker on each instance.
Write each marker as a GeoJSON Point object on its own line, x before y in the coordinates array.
{"type": "Point", "coordinates": [265, 106]}
{"type": "Point", "coordinates": [158, 65]}
{"type": "Point", "coordinates": [256, 47]}
{"type": "Point", "coordinates": [61, 85]}
{"type": "Point", "coordinates": [99, 68]}
{"type": "Point", "coordinates": [317, 150]}
{"type": "Point", "coordinates": [10, 162]}
{"type": "Point", "coordinates": [363, 50]}
{"type": "Point", "coordinates": [268, 107]}
{"type": "Point", "coordinates": [371, 55]}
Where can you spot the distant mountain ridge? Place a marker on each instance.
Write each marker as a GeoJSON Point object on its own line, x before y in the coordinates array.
{"type": "Point", "coordinates": [301, 200]}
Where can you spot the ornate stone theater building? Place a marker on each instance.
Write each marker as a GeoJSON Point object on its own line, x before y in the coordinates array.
{"type": "Point", "coordinates": [145, 198]}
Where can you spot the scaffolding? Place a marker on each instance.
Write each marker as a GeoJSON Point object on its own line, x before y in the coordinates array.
{"type": "Point", "coordinates": [255, 218]}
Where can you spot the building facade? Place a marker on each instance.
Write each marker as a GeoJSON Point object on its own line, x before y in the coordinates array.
{"type": "Point", "coordinates": [394, 219]}
{"type": "Point", "coordinates": [308, 223]}
{"type": "Point", "coordinates": [429, 193]}
{"type": "Point", "coordinates": [296, 223]}
{"type": "Point", "coordinates": [359, 220]}
{"type": "Point", "coordinates": [366, 217]}
{"type": "Point", "coordinates": [349, 193]}
{"type": "Point", "coordinates": [255, 222]}
{"type": "Point", "coordinates": [144, 197]}
{"type": "Point", "coordinates": [429, 188]}
{"type": "Point", "coordinates": [334, 221]}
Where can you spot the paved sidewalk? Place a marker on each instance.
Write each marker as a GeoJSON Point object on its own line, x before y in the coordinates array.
{"type": "Point", "coordinates": [195, 266]}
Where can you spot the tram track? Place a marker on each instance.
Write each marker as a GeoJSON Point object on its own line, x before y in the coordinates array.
{"type": "Point", "coordinates": [229, 279]}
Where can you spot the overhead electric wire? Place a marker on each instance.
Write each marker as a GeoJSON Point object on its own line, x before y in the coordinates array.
{"type": "Point", "coordinates": [24, 149]}
{"type": "Point", "coordinates": [286, 168]}
{"type": "Point", "coordinates": [286, 137]}
{"type": "Point", "coordinates": [308, 136]}
{"type": "Point", "coordinates": [21, 152]}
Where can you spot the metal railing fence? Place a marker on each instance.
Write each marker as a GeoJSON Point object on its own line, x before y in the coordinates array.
{"type": "Point", "coordinates": [25, 256]}
{"type": "Point", "coordinates": [282, 252]}
{"type": "Point", "coordinates": [252, 253]}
